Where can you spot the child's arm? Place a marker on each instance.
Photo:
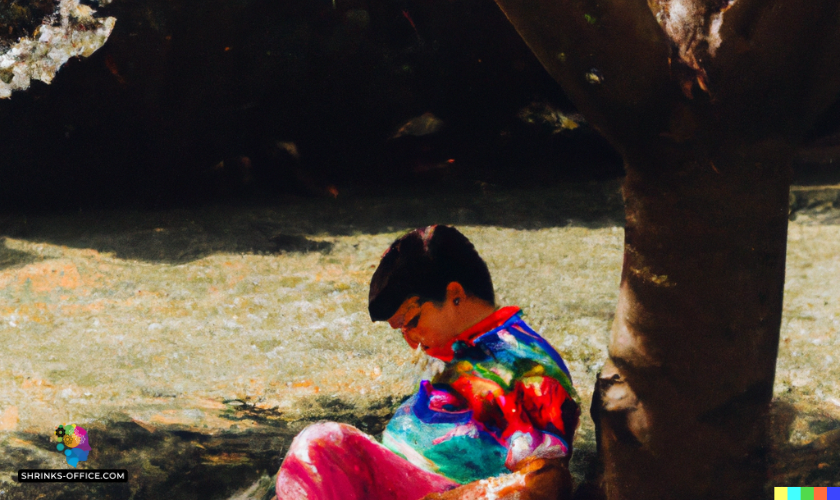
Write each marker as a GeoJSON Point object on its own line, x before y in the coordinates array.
{"type": "Point", "coordinates": [535, 479]}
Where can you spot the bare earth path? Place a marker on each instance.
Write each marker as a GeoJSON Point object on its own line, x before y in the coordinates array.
{"type": "Point", "coordinates": [193, 344]}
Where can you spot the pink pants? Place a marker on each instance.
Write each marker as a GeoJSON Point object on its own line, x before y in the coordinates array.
{"type": "Point", "coordinates": [329, 461]}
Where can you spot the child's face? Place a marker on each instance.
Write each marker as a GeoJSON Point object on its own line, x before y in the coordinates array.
{"type": "Point", "coordinates": [428, 325]}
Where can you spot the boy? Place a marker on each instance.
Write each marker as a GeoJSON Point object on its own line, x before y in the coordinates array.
{"type": "Point", "coordinates": [497, 423]}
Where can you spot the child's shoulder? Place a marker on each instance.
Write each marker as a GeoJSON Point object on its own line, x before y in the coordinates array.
{"type": "Point", "coordinates": [518, 340]}
{"type": "Point", "coordinates": [506, 354]}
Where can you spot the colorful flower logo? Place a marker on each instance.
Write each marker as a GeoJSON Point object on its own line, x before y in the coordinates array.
{"type": "Point", "coordinates": [73, 441]}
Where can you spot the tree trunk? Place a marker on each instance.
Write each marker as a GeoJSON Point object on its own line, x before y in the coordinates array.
{"type": "Point", "coordinates": [707, 101]}
{"type": "Point", "coordinates": [684, 396]}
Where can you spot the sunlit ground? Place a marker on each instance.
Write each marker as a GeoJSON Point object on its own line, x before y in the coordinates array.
{"type": "Point", "coordinates": [232, 321]}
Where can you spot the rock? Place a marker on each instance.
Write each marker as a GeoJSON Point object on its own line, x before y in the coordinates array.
{"type": "Point", "coordinates": [70, 31]}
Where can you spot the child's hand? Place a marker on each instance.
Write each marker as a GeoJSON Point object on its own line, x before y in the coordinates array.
{"type": "Point", "coordinates": [537, 479]}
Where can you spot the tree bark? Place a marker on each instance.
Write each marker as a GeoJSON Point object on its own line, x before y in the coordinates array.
{"type": "Point", "coordinates": [684, 396]}
{"type": "Point", "coordinates": [707, 101]}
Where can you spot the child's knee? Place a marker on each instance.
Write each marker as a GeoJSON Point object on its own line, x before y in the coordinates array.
{"type": "Point", "coordinates": [318, 446]}
{"type": "Point", "coordinates": [323, 434]}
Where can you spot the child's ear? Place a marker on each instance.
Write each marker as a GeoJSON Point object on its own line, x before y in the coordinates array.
{"type": "Point", "coordinates": [455, 292]}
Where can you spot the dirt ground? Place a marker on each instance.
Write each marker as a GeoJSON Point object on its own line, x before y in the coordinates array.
{"type": "Point", "coordinates": [194, 343]}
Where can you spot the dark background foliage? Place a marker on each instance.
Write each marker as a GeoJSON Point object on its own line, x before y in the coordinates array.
{"type": "Point", "coordinates": [192, 101]}
{"type": "Point", "coordinates": [188, 100]}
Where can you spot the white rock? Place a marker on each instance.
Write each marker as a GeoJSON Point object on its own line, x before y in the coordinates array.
{"type": "Point", "coordinates": [57, 41]}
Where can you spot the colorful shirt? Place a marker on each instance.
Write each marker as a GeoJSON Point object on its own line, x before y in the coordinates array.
{"type": "Point", "coordinates": [504, 396]}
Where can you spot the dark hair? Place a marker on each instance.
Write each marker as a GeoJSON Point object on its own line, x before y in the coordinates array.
{"type": "Point", "coordinates": [422, 263]}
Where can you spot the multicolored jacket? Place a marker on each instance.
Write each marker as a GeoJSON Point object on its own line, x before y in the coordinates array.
{"type": "Point", "coordinates": [505, 396]}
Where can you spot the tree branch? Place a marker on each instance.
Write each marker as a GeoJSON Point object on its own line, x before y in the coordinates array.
{"type": "Point", "coordinates": [611, 57]}
{"type": "Point", "coordinates": [786, 54]}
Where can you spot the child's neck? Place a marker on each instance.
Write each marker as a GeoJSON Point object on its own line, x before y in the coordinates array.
{"type": "Point", "coordinates": [472, 310]}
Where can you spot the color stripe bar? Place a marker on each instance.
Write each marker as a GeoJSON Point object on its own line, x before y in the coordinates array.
{"type": "Point", "coordinates": [806, 493]}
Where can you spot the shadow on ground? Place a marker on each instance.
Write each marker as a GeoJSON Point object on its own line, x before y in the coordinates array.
{"type": "Point", "coordinates": [305, 224]}
{"type": "Point", "coordinates": [10, 257]}
{"type": "Point", "coordinates": [176, 463]}
{"type": "Point", "coordinates": [300, 225]}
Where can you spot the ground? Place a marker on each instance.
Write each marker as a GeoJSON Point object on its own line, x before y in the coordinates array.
{"type": "Point", "coordinates": [193, 344]}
